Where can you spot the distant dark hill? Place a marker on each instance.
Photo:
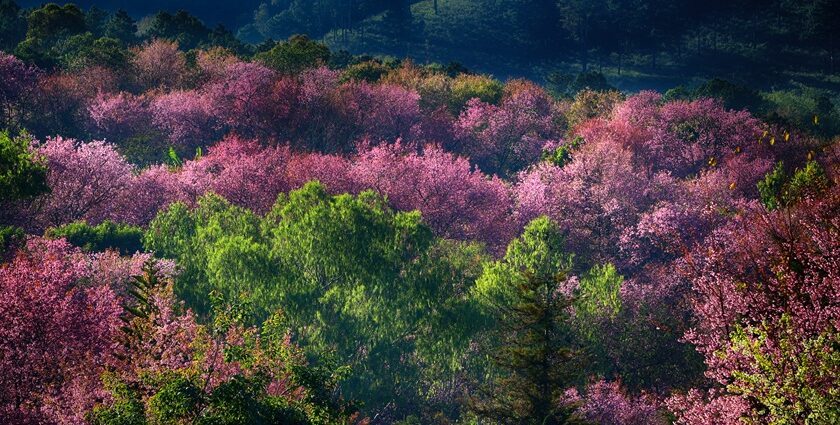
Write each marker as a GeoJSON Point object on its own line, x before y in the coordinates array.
{"type": "Point", "coordinates": [231, 14]}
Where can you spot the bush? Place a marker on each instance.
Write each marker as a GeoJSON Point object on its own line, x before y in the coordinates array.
{"type": "Point", "coordinates": [466, 87]}
{"type": "Point", "coordinates": [107, 235]}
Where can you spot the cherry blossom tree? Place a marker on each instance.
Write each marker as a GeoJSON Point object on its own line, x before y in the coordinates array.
{"type": "Point", "coordinates": [18, 84]}
{"type": "Point", "coordinates": [456, 200]}
{"type": "Point", "coordinates": [187, 117]}
{"type": "Point", "coordinates": [381, 111]}
{"type": "Point", "coordinates": [119, 116]}
{"type": "Point", "coordinates": [605, 403]}
{"type": "Point", "coordinates": [58, 323]}
{"type": "Point", "coordinates": [86, 181]}
{"type": "Point", "coordinates": [506, 138]}
{"type": "Point", "coordinates": [159, 64]}
{"type": "Point", "coordinates": [242, 98]}
{"type": "Point", "coordinates": [765, 294]}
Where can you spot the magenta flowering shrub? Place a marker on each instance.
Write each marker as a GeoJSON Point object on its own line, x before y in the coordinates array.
{"type": "Point", "coordinates": [605, 403]}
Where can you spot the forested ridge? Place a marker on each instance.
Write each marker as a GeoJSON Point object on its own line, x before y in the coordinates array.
{"type": "Point", "coordinates": [197, 227]}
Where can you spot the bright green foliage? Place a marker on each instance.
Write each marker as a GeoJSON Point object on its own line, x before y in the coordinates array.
{"type": "Point", "coordinates": [125, 408]}
{"type": "Point", "coordinates": [221, 374]}
{"type": "Point", "coordinates": [530, 343]}
{"type": "Point", "coordinates": [124, 238]}
{"type": "Point", "coordinates": [23, 174]}
{"type": "Point", "coordinates": [806, 182]}
{"type": "Point", "coordinates": [598, 295]}
{"type": "Point", "coordinates": [562, 155]}
{"type": "Point", "coordinates": [770, 188]}
{"type": "Point", "coordinates": [357, 281]}
{"type": "Point", "coordinates": [213, 242]}
{"type": "Point", "coordinates": [467, 86]}
{"type": "Point", "coordinates": [780, 379]}
{"type": "Point", "coordinates": [778, 190]}
{"type": "Point", "coordinates": [295, 55]}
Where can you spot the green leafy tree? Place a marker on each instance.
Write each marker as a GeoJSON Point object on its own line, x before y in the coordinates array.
{"type": "Point", "coordinates": [360, 285]}
{"type": "Point", "coordinates": [467, 86]}
{"type": "Point", "coordinates": [178, 371]}
{"type": "Point", "coordinates": [201, 238]}
{"type": "Point", "coordinates": [10, 238]}
{"type": "Point", "coordinates": [122, 27]}
{"type": "Point", "coordinates": [534, 358]}
{"type": "Point", "coordinates": [598, 296]}
{"type": "Point", "coordinates": [47, 26]}
{"type": "Point", "coordinates": [295, 55]}
{"type": "Point", "coordinates": [181, 26]}
{"type": "Point", "coordinates": [23, 173]}
{"type": "Point", "coordinates": [781, 380]}
{"type": "Point", "coordinates": [84, 50]}
{"type": "Point", "coordinates": [778, 190]}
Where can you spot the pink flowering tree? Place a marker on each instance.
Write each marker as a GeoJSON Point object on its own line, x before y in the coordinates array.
{"type": "Point", "coordinates": [240, 170]}
{"type": "Point", "coordinates": [765, 292]}
{"type": "Point", "coordinates": [87, 182]}
{"type": "Point", "coordinates": [187, 118]}
{"type": "Point", "coordinates": [120, 116]}
{"type": "Point", "coordinates": [594, 198]}
{"type": "Point", "coordinates": [680, 137]}
{"type": "Point", "coordinates": [456, 200]}
{"type": "Point", "coordinates": [381, 111]}
{"type": "Point", "coordinates": [18, 85]}
{"type": "Point", "coordinates": [506, 138]}
{"type": "Point", "coordinates": [57, 323]}
{"type": "Point", "coordinates": [242, 99]}
{"type": "Point", "coordinates": [159, 64]}
{"type": "Point", "coordinates": [606, 403]}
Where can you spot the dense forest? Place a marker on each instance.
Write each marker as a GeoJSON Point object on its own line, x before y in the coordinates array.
{"type": "Point", "coordinates": [202, 225]}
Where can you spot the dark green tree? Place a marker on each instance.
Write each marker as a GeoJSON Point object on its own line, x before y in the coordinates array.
{"type": "Point", "coordinates": [530, 346]}
{"type": "Point", "coordinates": [124, 238]}
{"type": "Point", "coordinates": [47, 26]}
{"type": "Point", "coordinates": [182, 27]}
{"type": "Point", "coordinates": [295, 55]}
{"type": "Point", "coordinates": [12, 25]}
{"type": "Point", "coordinates": [122, 27]}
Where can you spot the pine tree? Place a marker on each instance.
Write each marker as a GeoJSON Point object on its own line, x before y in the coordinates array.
{"type": "Point", "coordinates": [533, 358]}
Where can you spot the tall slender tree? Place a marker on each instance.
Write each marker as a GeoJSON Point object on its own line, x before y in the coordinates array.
{"type": "Point", "coordinates": [532, 357]}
